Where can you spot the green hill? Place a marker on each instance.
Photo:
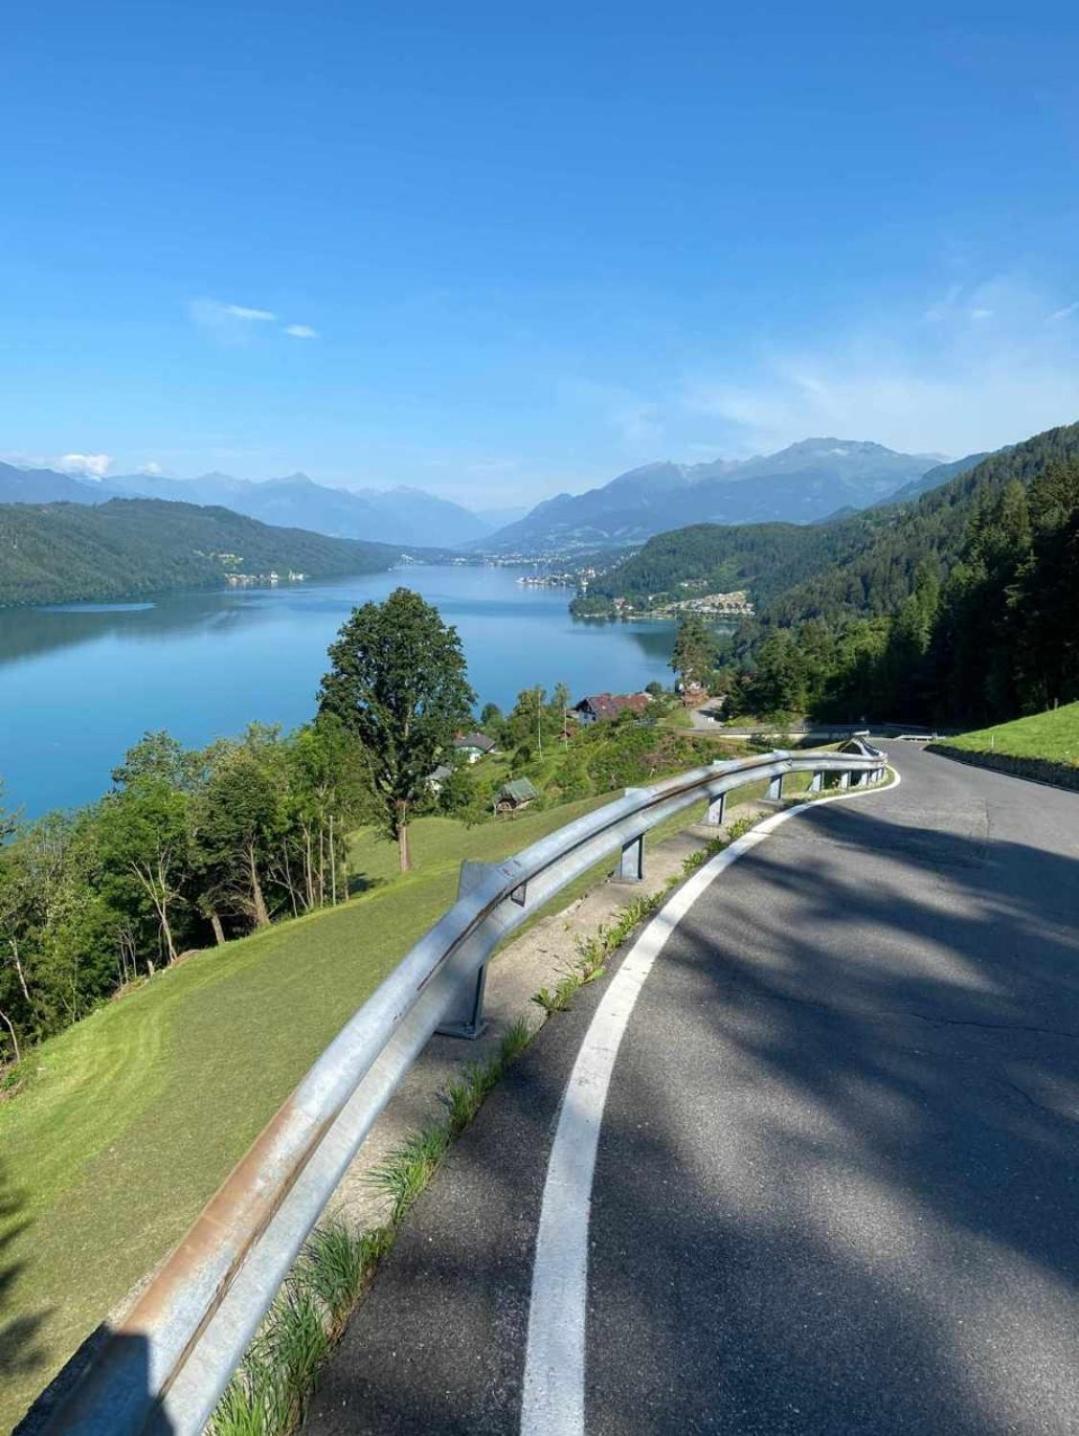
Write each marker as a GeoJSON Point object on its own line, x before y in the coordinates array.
{"type": "Point", "coordinates": [128, 548]}
{"type": "Point", "coordinates": [766, 559]}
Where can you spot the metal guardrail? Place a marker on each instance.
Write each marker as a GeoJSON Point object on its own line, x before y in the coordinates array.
{"type": "Point", "coordinates": [166, 1363]}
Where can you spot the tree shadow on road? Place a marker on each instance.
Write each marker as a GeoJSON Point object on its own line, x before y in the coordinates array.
{"type": "Point", "coordinates": [855, 1171]}
{"type": "Point", "coordinates": [836, 1187]}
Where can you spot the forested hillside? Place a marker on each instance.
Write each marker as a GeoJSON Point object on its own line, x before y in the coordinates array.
{"type": "Point", "coordinates": [127, 548]}
{"type": "Point", "coordinates": [962, 607]}
{"type": "Point", "coordinates": [766, 559]}
{"type": "Point", "coordinates": [880, 571]}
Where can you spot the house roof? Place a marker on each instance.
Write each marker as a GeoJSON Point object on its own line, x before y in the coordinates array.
{"type": "Point", "coordinates": [440, 774]}
{"type": "Point", "coordinates": [609, 705]}
{"type": "Point", "coordinates": [474, 740]}
{"type": "Point", "coordinates": [521, 790]}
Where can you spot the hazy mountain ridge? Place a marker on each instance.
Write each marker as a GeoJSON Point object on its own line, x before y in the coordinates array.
{"type": "Point", "coordinates": [801, 484]}
{"type": "Point", "coordinates": [399, 516]}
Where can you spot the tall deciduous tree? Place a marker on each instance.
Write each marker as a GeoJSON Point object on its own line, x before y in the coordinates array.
{"type": "Point", "coordinates": [143, 836]}
{"type": "Point", "coordinates": [399, 681]}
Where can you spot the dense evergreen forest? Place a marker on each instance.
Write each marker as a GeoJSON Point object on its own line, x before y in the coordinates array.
{"type": "Point", "coordinates": [961, 607]}
{"type": "Point", "coordinates": [128, 548]}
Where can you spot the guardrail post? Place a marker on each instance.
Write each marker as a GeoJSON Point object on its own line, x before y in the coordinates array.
{"type": "Point", "coordinates": [816, 783]}
{"type": "Point", "coordinates": [464, 1016]}
{"type": "Point", "coordinates": [775, 788]}
{"type": "Point", "coordinates": [631, 860]}
{"type": "Point", "coordinates": [844, 778]}
{"type": "Point", "coordinates": [716, 809]}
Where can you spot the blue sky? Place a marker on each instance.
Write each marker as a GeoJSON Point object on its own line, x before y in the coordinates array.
{"type": "Point", "coordinates": [523, 247]}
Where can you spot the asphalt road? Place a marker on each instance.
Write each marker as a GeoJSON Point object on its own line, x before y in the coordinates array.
{"type": "Point", "coordinates": [837, 1179]}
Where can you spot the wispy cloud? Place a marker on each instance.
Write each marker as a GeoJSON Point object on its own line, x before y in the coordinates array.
{"type": "Point", "coordinates": [241, 311]}
{"type": "Point", "coordinates": [237, 323]}
{"type": "Point", "coordinates": [152, 470]}
{"type": "Point", "coordinates": [93, 466]}
{"type": "Point", "coordinates": [955, 383]}
{"type": "Point", "coordinates": [1065, 313]}
{"type": "Point", "coordinates": [231, 324]}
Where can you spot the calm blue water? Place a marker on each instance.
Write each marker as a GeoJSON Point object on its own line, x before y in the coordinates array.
{"type": "Point", "coordinates": [79, 685]}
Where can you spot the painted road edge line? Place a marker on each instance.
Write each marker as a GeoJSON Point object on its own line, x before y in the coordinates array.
{"type": "Point", "coordinates": [552, 1402]}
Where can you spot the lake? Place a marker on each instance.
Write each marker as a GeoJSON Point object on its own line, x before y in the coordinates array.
{"type": "Point", "coordinates": [80, 684]}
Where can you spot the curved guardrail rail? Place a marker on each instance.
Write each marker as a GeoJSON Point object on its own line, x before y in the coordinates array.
{"type": "Point", "coordinates": [166, 1363]}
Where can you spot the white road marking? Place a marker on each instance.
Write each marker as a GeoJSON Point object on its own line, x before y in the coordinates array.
{"type": "Point", "coordinates": [554, 1377]}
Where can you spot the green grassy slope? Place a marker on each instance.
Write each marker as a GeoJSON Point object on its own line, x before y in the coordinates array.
{"type": "Point", "coordinates": [1053, 736]}
{"type": "Point", "coordinates": [1045, 745]}
{"type": "Point", "coordinates": [135, 1115]}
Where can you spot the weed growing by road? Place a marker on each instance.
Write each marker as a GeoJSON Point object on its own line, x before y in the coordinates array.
{"type": "Point", "coordinates": [403, 1176]}
{"type": "Point", "coordinates": [518, 1036]}
{"type": "Point", "coordinates": [269, 1393]}
{"type": "Point", "coordinates": [557, 998]}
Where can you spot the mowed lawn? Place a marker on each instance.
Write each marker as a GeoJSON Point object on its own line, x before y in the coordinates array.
{"type": "Point", "coordinates": [134, 1116]}
{"type": "Point", "coordinates": [1053, 736]}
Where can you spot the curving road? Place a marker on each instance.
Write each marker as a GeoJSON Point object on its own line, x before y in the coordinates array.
{"type": "Point", "coordinates": [836, 1182]}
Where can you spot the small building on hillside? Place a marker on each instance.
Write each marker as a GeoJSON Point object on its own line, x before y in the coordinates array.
{"type": "Point", "coordinates": [436, 779]}
{"type": "Point", "coordinates": [599, 706]}
{"type": "Point", "coordinates": [473, 746]}
{"type": "Point", "coordinates": [515, 795]}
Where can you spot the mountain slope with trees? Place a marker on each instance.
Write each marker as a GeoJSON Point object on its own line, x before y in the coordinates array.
{"type": "Point", "coordinates": [960, 608]}
{"type": "Point", "coordinates": [128, 548]}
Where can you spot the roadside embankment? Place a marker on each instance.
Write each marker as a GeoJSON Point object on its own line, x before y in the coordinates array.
{"type": "Point", "coordinates": [1041, 770]}
{"type": "Point", "coordinates": [1043, 747]}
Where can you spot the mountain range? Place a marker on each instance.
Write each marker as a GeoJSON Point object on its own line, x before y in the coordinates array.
{"type": "Point", "coordinates": [804, 483]}
{"type": "Point", "coordinates": [398, 516]}
{"type": "Point", "coordinates": [811, 481]}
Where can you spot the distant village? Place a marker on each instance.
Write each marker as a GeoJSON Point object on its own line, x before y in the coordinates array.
{"type": "Point", "coordinates": [262, 580]}
{"type": "Point", "coordinates": [716, 605]}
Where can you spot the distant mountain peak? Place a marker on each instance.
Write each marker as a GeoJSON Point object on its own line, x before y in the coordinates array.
{"type": "Point", "coordinates": [803, 483]}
